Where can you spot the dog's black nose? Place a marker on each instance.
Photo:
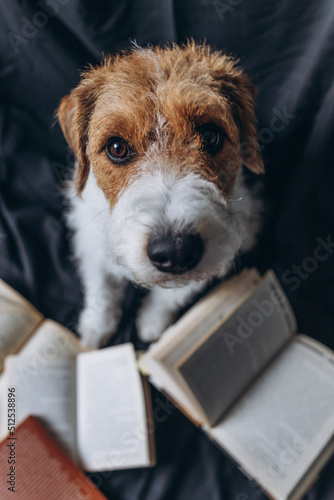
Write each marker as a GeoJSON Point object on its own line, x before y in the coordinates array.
{"type": "Point", "coordinates": [176, 254]}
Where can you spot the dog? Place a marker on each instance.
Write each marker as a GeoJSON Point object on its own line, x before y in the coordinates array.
{"type": "Point", "coordinates": [160, 136]}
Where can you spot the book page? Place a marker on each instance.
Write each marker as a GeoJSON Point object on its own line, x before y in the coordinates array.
{"type": "Point", "coordinates": [51, 341]}
{"type": "Point", "coordinates": [112, 424]}
{"type": "Point", "coordinates": [40, 469]}
{"type": "Point", "coordinates": [226, 361]}
{"type": "Point", "coordinates": [18, 320]}
{"type": "Point", "coordinates": [283, 422]}
{"type": "Point", "coordinates": [220, 302]}
{"type": "Point", "coordinates": [47, 392]}
{"type": "Point", "coordinates": [161, 359]}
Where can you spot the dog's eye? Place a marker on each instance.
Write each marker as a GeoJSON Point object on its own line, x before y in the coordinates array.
{"type": "Point", "coordinates": [118, 150]}
{"type": "Point", "coordinates": [212, 138]}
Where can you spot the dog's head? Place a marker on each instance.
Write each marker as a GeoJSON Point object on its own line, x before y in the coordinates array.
{"type": "Point", "coordinates": [164, 133]}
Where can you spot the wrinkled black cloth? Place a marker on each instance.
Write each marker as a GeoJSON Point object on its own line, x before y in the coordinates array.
{"type": "Point", "coordinates": [286, 46]}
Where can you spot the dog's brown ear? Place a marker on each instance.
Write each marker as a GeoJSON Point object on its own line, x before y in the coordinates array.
{"type": "Point", "coordinates": [241, 93]}
{"type": "Point", "coordinates": [74, 114]}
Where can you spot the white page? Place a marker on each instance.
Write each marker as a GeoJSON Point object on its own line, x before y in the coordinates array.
{"type": "Point", "coordinates": [52, 341]}
{"type": "Point", "coordinates": [279, 427]}
{"type": "Point", "coordinates": [47, 392]}
{"type": "Point", "coordinates": [18, 320]}
{"type": "Point", "coordinates": [112, 425]}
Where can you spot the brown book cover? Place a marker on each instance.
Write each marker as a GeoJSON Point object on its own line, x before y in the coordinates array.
{"type": "Point", "coordinates": [34, 467]}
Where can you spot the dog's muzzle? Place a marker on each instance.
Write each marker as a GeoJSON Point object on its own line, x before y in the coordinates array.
{"type": "Point", "coordinates": [175, 254]}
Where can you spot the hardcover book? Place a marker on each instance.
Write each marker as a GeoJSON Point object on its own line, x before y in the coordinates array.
{"type": "Point", "coordinates": [33, 466]}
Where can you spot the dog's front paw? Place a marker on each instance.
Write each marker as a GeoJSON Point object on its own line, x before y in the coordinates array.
{"type": "Point", "coordinates": [150, 327]}
{"type": "Point", "coordinates": [94, 329]}
{"type": "Point", "coordinates": [151, 323]}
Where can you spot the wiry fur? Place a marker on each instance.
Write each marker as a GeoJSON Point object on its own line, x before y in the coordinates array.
{"type": "Point", "coordinates": [155, 99]}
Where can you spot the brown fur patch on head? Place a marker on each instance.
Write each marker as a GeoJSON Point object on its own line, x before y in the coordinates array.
{"type": "Point", "coordinates": [74, 115]}
{"type": "Point", "coordinates": [241, 93]}
{"type": "Point", "coordinates": [161, 97]}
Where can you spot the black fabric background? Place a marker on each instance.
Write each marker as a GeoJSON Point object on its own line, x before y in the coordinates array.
{"type": "Point", "coordinates": [286, 46]}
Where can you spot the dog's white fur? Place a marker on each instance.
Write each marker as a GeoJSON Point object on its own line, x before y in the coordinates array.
{"type": "Point", "coordinates": [110, 246]}
{"type": "Point", "coordinates": [164, 193]}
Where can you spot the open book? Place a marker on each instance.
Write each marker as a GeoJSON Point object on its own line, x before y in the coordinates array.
{"type": "Point", "coordinates": [33, 466]}
{"type": "Point", "coordinates": [24, 330]}
{"type": "Point", "coordinates": [265, 395]}
{"type": "Point", "coordinates": [95, 403]}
